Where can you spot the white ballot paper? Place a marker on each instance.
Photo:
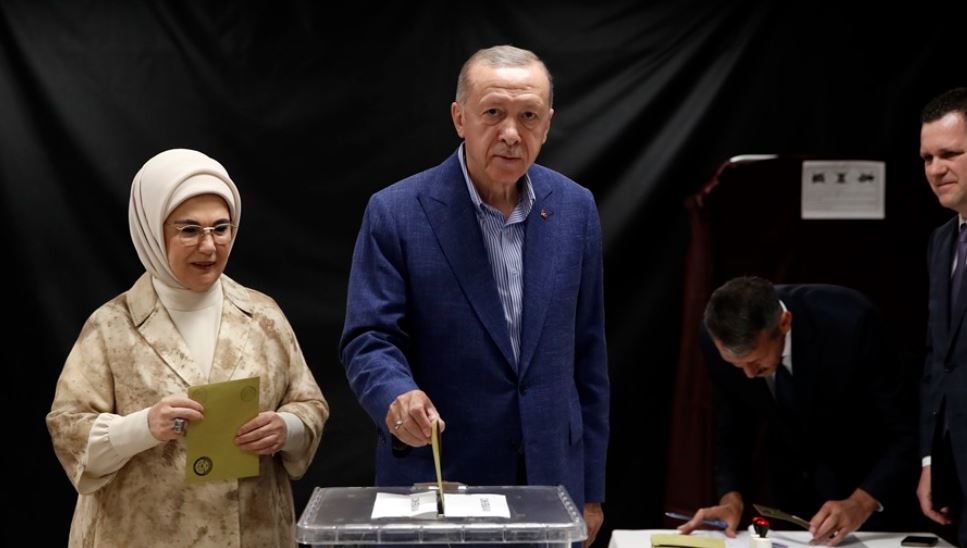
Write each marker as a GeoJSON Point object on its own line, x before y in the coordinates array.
{"type": "Point", "coordinates": [423, 505]}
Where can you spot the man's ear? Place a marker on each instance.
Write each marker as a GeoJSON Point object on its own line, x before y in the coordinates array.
{"type": "Point", "coordinates": [785, 322]}
{"type": "Point", "coordinates": [550, 116]}
{"type": "Point", "coordinates": [456, 113]}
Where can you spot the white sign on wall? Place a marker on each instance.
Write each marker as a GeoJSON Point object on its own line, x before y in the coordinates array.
{"type": "Point", "coordinates": [848, 189]}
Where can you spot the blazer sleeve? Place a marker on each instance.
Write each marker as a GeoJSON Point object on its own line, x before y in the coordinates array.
{"type": "Point", "coordinates": [927, 417]}
{"type": "Point", "coordinates": [591, 360]}
{"type": "Point", "coordinates": [374, 340]}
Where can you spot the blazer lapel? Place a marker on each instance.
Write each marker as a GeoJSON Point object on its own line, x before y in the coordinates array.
{"type": "Point", "coordinates": [941, 281]}
{"type": "Point", "coordinates": [157, 328]}
{"type": "Point", "coordinates": [451, 216]}
{"type": "Point", "coordinates": [806, 356]}
{"type": "Point", "coordinates": [233, 335]}
{"type": "Point", "coordinates": [540, 241]}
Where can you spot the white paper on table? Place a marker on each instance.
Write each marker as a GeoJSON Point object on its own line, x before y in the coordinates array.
{"type": "Point", "coordinates": [391, 505]}
{"type": "Point", "coordinates": [423, 504]}
{"type": "Point", "coordinates": [475, 506]}
{"type": "Point", "coordinates": [780, 539]}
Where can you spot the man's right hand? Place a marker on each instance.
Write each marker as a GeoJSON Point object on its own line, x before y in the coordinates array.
{"type": "Point", "coordinates": [728, 510]}
{"type": "Point", "coordinates": [941, 516]}
{"type": "Point", "coordinates": [410, 418]}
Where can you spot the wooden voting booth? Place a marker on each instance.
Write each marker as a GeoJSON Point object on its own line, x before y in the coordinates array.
{"type": "Point", "coordinates": [747, 220]}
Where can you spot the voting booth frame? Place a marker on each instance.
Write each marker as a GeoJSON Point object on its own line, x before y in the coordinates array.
{"type": "Point", "coordinates": [538, 515]}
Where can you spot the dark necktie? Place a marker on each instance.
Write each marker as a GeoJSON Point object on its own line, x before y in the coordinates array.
{"type": "Point", "coordinates": [958, 298]}
{"type": "Point", "coordinates": [786, 398]}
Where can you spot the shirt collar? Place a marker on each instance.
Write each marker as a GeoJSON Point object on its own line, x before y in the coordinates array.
{"type": "Point", "coordinates": [787, 346]}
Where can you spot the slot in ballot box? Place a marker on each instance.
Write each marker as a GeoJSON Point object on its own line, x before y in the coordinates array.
{"type": "Point", "coordinates": [538, 515]}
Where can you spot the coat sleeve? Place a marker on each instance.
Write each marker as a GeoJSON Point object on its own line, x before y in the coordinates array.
{"type": "Point", "coordinates": [375, 338]}
{"type": "Point", "coordinates": [927, 380]}
{"type": "Point", "coordinates": [304, 399]}
{"type": "Point", "coordinates": [84, 391]}
{"type": "Point", "coordinates": [591, 359]}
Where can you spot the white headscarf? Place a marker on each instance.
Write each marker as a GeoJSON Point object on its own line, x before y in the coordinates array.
{"type": "Point", "coordinates": [160, 186]}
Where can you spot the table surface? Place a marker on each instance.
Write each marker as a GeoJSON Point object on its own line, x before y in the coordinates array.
{"type": "Point", "coordinates": [639, 538]}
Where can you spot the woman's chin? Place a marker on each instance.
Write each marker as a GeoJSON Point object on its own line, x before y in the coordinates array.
{"type": "Point", "coordinates": [200, 284]}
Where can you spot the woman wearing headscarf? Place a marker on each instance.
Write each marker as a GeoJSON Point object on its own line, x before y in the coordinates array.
{"type": "Point", "coordinates": [117, 416]}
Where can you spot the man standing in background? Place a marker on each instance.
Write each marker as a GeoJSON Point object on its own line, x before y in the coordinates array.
{"type": "Point", "coordinates": [943, 416]}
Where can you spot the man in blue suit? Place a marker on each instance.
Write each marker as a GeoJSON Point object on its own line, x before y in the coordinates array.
{"type": "Point", "coordinates": [476, 299]}
{"type": "Point", "coordinates": [943, 417]}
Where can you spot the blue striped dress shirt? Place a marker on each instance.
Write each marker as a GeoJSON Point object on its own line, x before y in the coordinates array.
{"type": "Point", "coordinates": [504, 241]}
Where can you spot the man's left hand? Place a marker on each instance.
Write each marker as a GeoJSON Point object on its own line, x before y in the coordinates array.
{"type": "Point", "coordinates": [838, 518]}
{"type": "Point", "coordinates": [594, 517]}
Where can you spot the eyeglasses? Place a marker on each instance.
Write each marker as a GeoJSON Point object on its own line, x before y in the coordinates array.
{"type": "Point", "coordinates": [194, 234]}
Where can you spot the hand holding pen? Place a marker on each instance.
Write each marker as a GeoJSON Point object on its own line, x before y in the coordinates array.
{"type": "Point", "coordinates": [727, 513]}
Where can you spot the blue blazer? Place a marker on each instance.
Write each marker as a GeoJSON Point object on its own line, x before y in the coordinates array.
{"type": "Point", "coordinates": [944, 381]}
{"type": "Point", "coordinates": [423, 312]}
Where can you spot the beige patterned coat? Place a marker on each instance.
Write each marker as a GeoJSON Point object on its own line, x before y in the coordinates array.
{"type": "Point", "coordinates": [128, 356]}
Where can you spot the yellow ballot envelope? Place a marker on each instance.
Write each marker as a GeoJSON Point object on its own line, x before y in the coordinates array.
{"type": "Point", "coordinates": [685, 541]}
{"type": "Point", "coordinates": [211, 453]}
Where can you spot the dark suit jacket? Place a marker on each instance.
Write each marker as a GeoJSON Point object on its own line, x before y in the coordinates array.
{"type": "Point", "coordinates": [944, 383]}
{"type": "Point", "coordinates": [423, 312]}
{"type": "Point", "coordinates": [857, 426]}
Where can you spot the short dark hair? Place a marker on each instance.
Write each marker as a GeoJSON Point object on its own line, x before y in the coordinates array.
{"type": "Point", "coordinates": [952, 100]}
{"type": "Point", "coordinates": [740, 310]}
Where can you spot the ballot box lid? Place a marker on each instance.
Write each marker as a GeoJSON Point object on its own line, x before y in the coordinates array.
{"type": "Point", "coordinates": [538, 514]}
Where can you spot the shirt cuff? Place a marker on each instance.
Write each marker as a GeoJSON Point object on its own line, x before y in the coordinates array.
{"type": "Point", "coordinates": [131, 435]}
{"type": "Point", "coordinates": [296, 437]}
{"type": "Point", "coordinates": [925, 462]}
{"type": "Point", "coordinates": [112, 442]}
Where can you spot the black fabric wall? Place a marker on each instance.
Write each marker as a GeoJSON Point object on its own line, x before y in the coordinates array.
{"type": "Point", "coordinates": [312, 109]}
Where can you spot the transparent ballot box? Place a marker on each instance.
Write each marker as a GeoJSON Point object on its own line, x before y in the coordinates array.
{"type": "Point", "coordinates": [538, 515]}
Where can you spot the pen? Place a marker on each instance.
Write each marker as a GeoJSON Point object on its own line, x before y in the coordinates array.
{"type": "Point", "coordinates": [716, 523]}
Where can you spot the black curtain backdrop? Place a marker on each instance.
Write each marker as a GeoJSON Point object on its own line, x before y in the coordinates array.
{"type": "Point", "coordinates": [313, 108]}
